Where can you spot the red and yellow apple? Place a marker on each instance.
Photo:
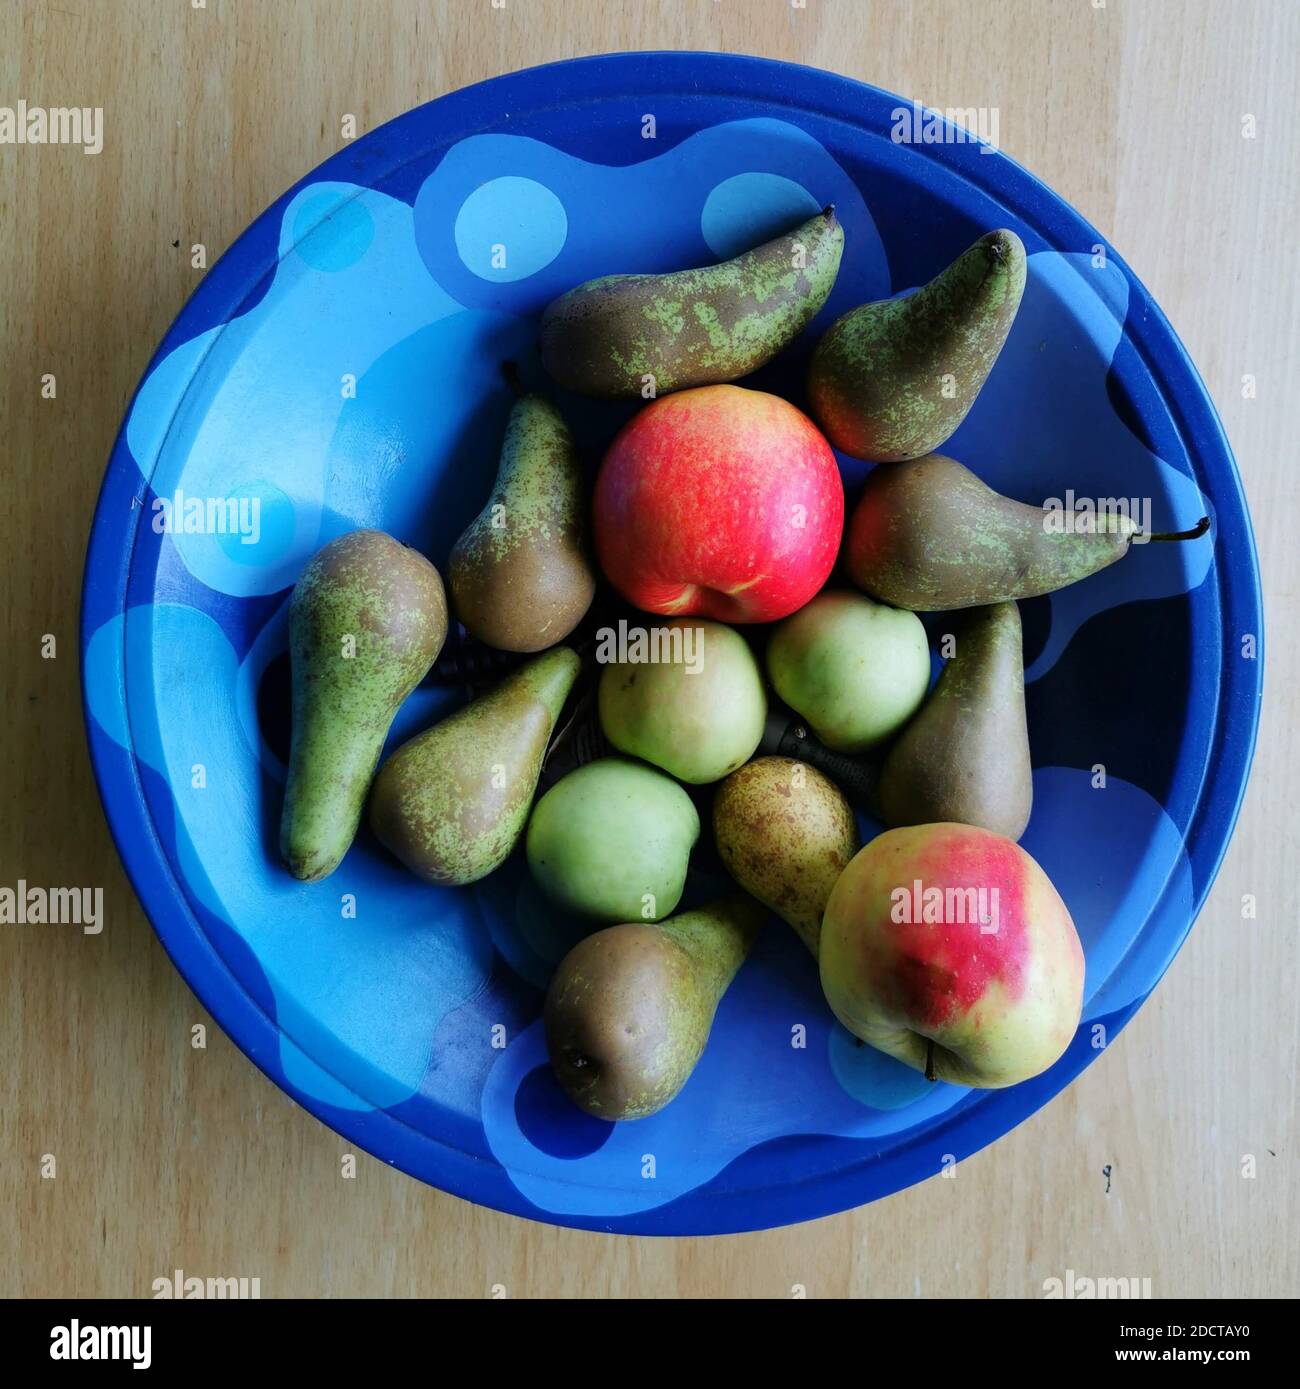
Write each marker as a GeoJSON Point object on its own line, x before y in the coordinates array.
{"type": "Point", "coordinates": [720, 502]}
{"type": "Point", "coordinates": [947, 947]}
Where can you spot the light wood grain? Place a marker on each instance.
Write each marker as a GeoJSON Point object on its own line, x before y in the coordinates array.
{"type": "Point", "coordinates": [174, 1158]}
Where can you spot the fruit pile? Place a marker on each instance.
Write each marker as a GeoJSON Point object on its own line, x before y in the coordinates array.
{"type": "Point", "coordinates": [941, 942]}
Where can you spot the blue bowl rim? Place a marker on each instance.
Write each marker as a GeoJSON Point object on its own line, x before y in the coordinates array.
{"type": "Point", "coordinates": [830, 96]}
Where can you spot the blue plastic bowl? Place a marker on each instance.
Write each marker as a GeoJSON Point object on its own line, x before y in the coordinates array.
{"type": "Point", "coordinates": [339, 368]}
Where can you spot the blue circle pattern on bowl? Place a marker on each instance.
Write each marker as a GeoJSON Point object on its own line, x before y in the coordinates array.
{"type": "Point", "coordinates": [340, 365]}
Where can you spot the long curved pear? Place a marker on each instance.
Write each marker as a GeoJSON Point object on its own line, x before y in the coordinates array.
{"type": "Point", "coordinates": [965, 757]}
{"type": "Point", "coordinates": [785, 834]}
{"type": "Point", "coordinates": [928, 535]}
{"type": "Point", "coordinates": [893, 379]}
{"type": "Point", "coordinates": [452, 802]}
{"type": "Point", "coordinates": [618, 336]}
{"type": "Point", "coordinates": [519, 575]}
{"type": "Point", "coordinates": [367, 619]}
{"type": "Point", "coordinates": [629, 1008]}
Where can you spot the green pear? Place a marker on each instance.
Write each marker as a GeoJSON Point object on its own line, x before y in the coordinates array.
{"type": "Point", "coordinates": [452, 802]}
{"type": "Point", "coordinates": [965, 757]}
{"type": "Point", "coordinates": [519, 575]}
{"type": "Point", "coordinates": [854, 669]}
{"type": "Point", "coordinates": [367, 619]}
{"type": "Point", "coordinates": [614, 336]}
{"type": "Point", "coordinates": [785, 833]}
{"type": "Point", "coordinates": [611, 841]}
{"type": "Point", "coordinates": [930, 536]}
{"type": "Point", "coordinates": [698, 717]}
{"type": "Point", "coordinates": [893, 379]}
{"type": "Point", "coordinates": [629, 1008]}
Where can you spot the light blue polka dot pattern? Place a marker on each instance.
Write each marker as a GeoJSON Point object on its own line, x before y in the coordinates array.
{"type": "Point", "coordinates": [332, 235]}
{"type": "Point", "coordinates": [409, 953]}
{"type": "Point", "coordinates": [510, 228]}
{"type": "Point", "coordinates": [265, 524]}
{"type": "Point", "coordinates": [747, 209]}
{"type": "Point", "coordinates": [264, 396]}
{"type": "Point", "coordinates": [873, 1078]}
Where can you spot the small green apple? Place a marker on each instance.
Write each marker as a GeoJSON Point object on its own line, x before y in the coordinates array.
{"type": "Point", "coordinates": [611, 841]}
{"type": "Point", "coordinates": [855, 669]}
{"type": "Point", "coordinates": [698, 713]}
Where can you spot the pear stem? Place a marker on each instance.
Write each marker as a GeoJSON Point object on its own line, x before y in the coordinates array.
{"type": "Point", "coordinates": [511, 372]}
{"type": "Point", "coordinates": [929, 1060]}
{"type": "Point", "coordinates": [1195, 533]}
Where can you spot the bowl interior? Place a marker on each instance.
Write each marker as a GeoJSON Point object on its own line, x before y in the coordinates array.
{"type": "Point", "coordinates": [341, 368]}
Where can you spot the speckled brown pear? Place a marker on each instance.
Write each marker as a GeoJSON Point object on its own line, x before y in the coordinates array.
{"type": "Point", "coordinates": [893, 379]}
{"type": "Point", "coordinates": [965, 757]}
{"type": "Point", "coordinates": [520, 576]}
{"type": "Point", "coordinates": [785, 833]}
{"type": "Point", "coordinates": [629, 1009]}
{"type": "Point", "coordinates": [366, 621]}
{"type": "Point", "coordinates": [623, 336]}
{"type": "Point", "coordinates": [930, 536]}
{"type": "Point", "coordinates": [452, 802]}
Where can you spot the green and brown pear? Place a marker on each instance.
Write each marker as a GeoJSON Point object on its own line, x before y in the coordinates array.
{"type": "Point", "coordinates": [452, 802]}
{"type": "Point", "coordinates": [367, 619]}
{"type": "Point", "coordinates": [629, 1009]}
{"type": "Point", "coordinates": [893, 379]}
{"type": "Point", "coordinates": [965, 757]}
{"type": "Point", "coordinates": [520, 575]}
{"type": "Point", "coordinates": [930, 536]}
{"type": "Point", "coordinates": [620, 336]}
{"type": "Point", "coordinates": [785, 833]}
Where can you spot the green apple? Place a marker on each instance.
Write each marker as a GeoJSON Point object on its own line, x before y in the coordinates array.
{"type": "Point", "coordinates": [855, 669]}
{"type": "Point", "coordinates": [611, 841]}
{"type": "Point", "coordinates": [947, 947]}
{"type": "Point", "coordinates": [697, 712]}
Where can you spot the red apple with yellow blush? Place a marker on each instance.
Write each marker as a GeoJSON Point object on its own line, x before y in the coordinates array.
{"type": "Point", "coordinates": [720, 502]}
{"type": "Point", "coordinates": [947, 947]}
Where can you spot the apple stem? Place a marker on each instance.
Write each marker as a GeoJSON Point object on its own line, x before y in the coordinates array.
{"type": "Point", "coordinates": [929, 1059]}
{"type": "Point", "coordinates": [1195, 533]}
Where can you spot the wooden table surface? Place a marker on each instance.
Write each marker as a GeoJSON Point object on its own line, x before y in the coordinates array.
{"type": "Point", "coordinates": [168, 1157]}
